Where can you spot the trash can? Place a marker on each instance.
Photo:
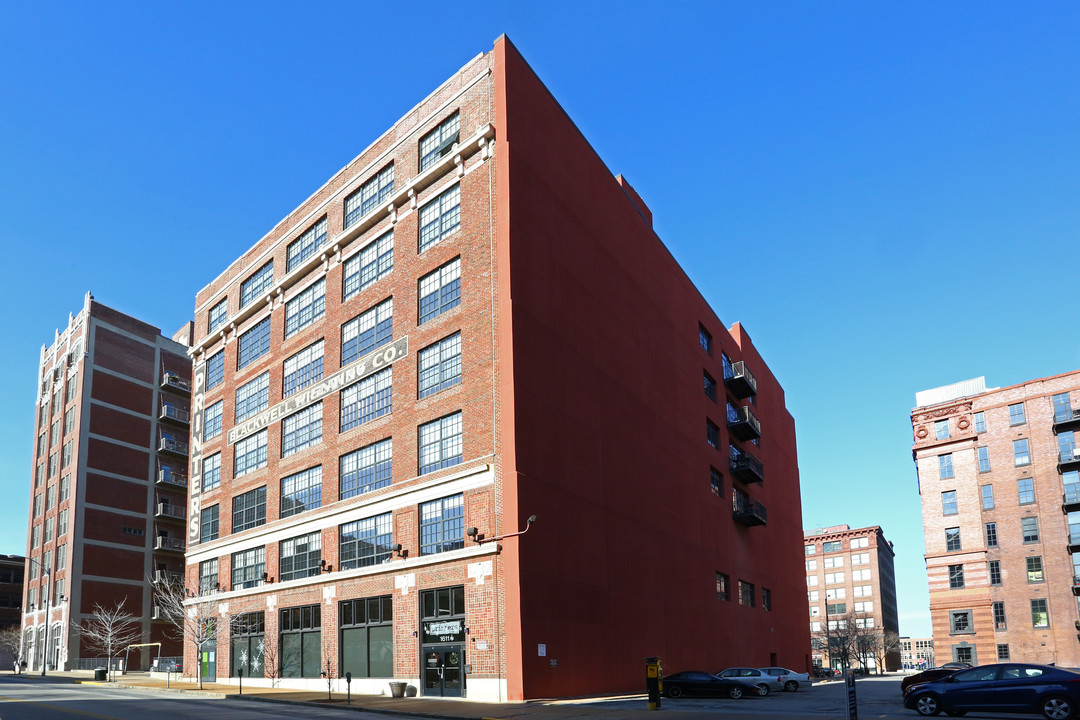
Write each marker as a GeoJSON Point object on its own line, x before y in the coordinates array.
{"type": "Point", "coordinates": [397, 689]}
{"type": "Point", "coordinates": [99, 674]}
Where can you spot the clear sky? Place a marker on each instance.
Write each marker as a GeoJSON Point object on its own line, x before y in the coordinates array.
{"type": "Point", "coordinates": [884, 193]}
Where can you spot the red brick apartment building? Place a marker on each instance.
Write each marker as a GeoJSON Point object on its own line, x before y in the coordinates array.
{"type": "Point", "coordinates": [1000, 483]}
{"type": "Point", "coordinates": [109, 480]}
{"type": "Point", "coordinates": [471, 324]}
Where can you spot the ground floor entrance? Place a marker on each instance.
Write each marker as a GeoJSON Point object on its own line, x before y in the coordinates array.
{"type": "Point", "coordinates": [444, 670]}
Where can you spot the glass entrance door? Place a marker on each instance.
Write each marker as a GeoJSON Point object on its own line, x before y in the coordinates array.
{"type": "Point", "coordinates": [443, 670]}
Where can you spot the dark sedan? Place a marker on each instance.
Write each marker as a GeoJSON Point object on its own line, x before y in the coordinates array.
{"type": "Point", "coordinates": [932, 674]}
{"type": "Point", "coordinates": [702, 684]}
{"type": "Point", "coordinates": [1006, 688]}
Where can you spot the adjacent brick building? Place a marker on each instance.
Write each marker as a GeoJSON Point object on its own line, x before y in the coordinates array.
{"type": "Point", "coordinates": [850, 578]}
{"type": "Point", "coordinates": [999, 478]}
{"type": "Point", "coordinates": [11, 592]}
{"type": "Point", "coordinates": [916, 653]}
{"type": "Point", "coordinates": [108, 482]}
{"type": "Point", "coordinates": [471, 324]}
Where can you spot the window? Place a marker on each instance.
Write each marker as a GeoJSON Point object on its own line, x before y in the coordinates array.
{"type": "Point", "coordinates": [1025, 491]}
{"type": "Point", "coordinates": [991, 534]}
{"type": "Point", "coordinates": [50, 497]}
{"type": "Point", "coordinates": [836, 593]}
{"type": "Point", "coordinates": [52, 465]}
{"type": "Point", "coordinates": [1062, 408]}
{"type": "Point", "coordinates": [723, 586]}
{"type": "Point", "coordinates": [65, 454]}
{"type": "Point", "coordinates": [367, 331]}
{"type": "Point", "coordinates": [813, 596]}
{"type": "Point", "coordinates": [999, 615]}
{"type": "Point", "coordinates": [863, 591]}
{"type": "Point", "coordinates": [212, 420]}
{"type": "Point", "coordinates": [302, 369]}
{"type": "Point", "coordinates": [716, 481]}
{"type": "Point", "coordinates": [440, 365]}
{"type": "Point", "coordinates": [948, 502]}
{"type": "Point", "coordinates": [69, 420]}
{"type": "Point", "coordinates": [374, 261]}
{"type": "Point", "coordinates": [61, 557]}
{"type": "Point", "coordinates": [62, 524]}
{"type": "Point", "coordinates": [254, 343]}
{"type": "Point", "coordinates": [860, 575]}
{"type": "Point", "coordinates": [300, 556]}
{"type": "Point", "coordinates": [952, 539]}
{"type": "Point", "coordinates": [860, 559]}
{"type": "Point", "coordinates": [710, 387]}
{"type": "Point", "coordinates": [746, 593]}
{"type": "Point", "coordinates": [832, 546]}
{"type": "Point", "coordinates": [366, 542]}
{"type": "Point", "coordinates": [987, 497]}
{"type": "Point", "coordinates": [367, 637]}
{"type": "Point", "coordinates": [259, 281]}
{"type": "Point", "coordinates": [712, 433]}
{"type": "Point", "coordinates": [440, 217]}
{"type": "Point", "coordinates": [833, 562]}
{"type": "Point", "coordinates": [208, 524]}
{"type": "Point", "coordinates": [440, 443]}
{"type": "Point", "coordinates": [39, 500]}
{"type": "Point", "coordinates": [857, 543]}
{"type": "Point", "coordinates": [211, 467]}
{"type": "Point", "coordinates": [247, 642]}
{"type": "Point", "coordinates": [250, 454]}
{"type": "Point", "coordinates": [960, 622]}
{"type": "Point", "coordinates": [1029, 529]}
{"type": "Point", "coordinates": [440, 290]}
{"type": "Point", "coordinates": [956, 576]}
{"type": "Point", "coordinates": [994, 569]}
{"type": "Point", "coordinates": [945, 469]}
{"type": "Point", "coordinates": [980, 422]}
{"type": "Point", "coordinates": [864, 622]}
{"type": "Point", "coordinates": [811, 581]}
{"type": "Point", "coordinates": [50, 527]}
{"type": "Point", "coordinates": [1034, 569]}
{"type": "Point", "coordinates": [941, 429]}
{"type": "Point", "coordinates": [438, 142]}
{"type": "Point", "coordinates": [815, 627]}
{"type": "Point", "coordinates": [834, 578]}
{"type": "Point", "coordinates": [248, 568]}
{"type": "Point", "coordinates": [370, 195]}
{"type": "Point", "coordinates": [72, 385]}
{"type": "Point", "coordinates": [368, 399]}
{"type": "Point", "coordinates": [1002, 652]}
{"type": "Point", "coordinates": [65, 488]}
{"type": "Point", "coordinates": [305, 308]}
{"type": "Point", "coordinates": [305, 246]}
{"type": "Point", "coordinates": [984, 459]}
{"type": "Point", "coordinates": [208, 576]}
{"type": "Point", "coordinates": [835, 608]}
{"type": "Point", "coordinates": [215, 369]}
{"type": "Point", "coordinates": [301, 430]}
{"type": "Point", "coordinates": [809, 549]}
{"type": "Point", "coordinates": [249, 509]}
{"type": "Point", "coordinates": [705, 339]}
{"type": "Point", "coordinates": [366, 469]}
{"type": "Point", "coordinates": [302, 491]}
{"type": "Point", "coordinates": [442, 525]}
{"type": "Point", "coordinates": [217, 316]}
{"type": "Point", "coordinates": [1021, 455]}
{"type": "Point", "coordinates": [1016, 414]}
{"type": "Point", "coordinates": [1040, 616]}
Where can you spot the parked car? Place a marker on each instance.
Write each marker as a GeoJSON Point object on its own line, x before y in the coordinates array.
{"type": "Point", "coordinates": [764, 682]}
{"type": "Point", "coordinates": [932, 674]}
{"type": "Point", "coordinates": [823, 672]}
{"type": "Point", "coordinates": [1005, 688]}
{"type": "Point", "coordinates": [789, 679]}
{"type": "Point", "coordinates": [702, 684]}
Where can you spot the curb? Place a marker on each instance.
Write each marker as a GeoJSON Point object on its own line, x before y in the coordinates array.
{"type": "Point", "coordinates": [357, 708]}
{"type": "Point", "coordinates": [160, 691]}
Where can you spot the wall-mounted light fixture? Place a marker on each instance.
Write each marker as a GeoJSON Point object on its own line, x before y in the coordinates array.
{"type": "Point", "coordinates": [479, 538]}
{"type": "Point", "coordinates": [401, 553]}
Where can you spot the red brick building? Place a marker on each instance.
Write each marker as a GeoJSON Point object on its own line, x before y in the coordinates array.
{"type": "Point", "coordinates": [1000, 483]}
{"type": "Point", "coordinates": [471, 324]}
{"type": "Point", "coordinates": [109, 483]}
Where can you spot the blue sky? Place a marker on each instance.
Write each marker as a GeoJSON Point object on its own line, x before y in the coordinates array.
{"type": "Point", "coordinates": [885, 194]}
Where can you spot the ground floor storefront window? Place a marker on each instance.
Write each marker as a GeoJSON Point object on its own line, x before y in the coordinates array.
{"type": "Point", "coordinates": [301, 642]}
{"type": "Point", "coordinates": [247, 645]}
{"type": "Point", "coordinates": [367, 637]}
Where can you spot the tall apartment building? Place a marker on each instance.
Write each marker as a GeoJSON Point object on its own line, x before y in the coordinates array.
{"type": "Point", "coordinates": [916, 653]}
{"type": "Point", "coordinates": [850, 577]}
{"type": "Point", "coordinates": [109, 479]}
{"type": "Point", "coordinates": [471, 324]}
{"type": "Point", "coordinates": [1000, 484]}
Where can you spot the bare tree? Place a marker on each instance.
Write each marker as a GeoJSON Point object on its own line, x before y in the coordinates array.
{"type": "Point", "coordinates": [271, 669]}
{"type": "Point", "coordinates": [192, 618]}
{"type": "Point", "coordinates": [328, 669]}
{"type": "Point", "coordinates": [890, 644]}
{"type": "Point", "coordinates": [109, 630]}
{"type": "Point", "coordinates": [10, 642]}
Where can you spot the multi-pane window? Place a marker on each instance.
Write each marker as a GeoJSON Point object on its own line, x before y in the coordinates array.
{"type": "Point", "coordinates": [208, 524]}
{"type": "Point", "coordinates": [254, 286]}
{"type": "Point", "coordinates": [710, 387]}
{"type": "Point", "coordinates": [440, 443]}
{"type": "Point", "coordinates": [368, 399]}
{"type": "Point", "coordinates": [55, 431]}
{"type": "Point", "coordinates": [254, 343]}
{"type": "Point", "coordinates": [442, 525]}
{"type": "Point", "coordinates": [370, 195]}
{"type": "Point", "coordinates": [300, 556]}
{"type": "Point", "coordinates": [249, 509]}
{"type": "Point", "coordinates": [859, 543]}
{"type": "Point", "coordinates": [208, 576]}
{"type": "Point", "coordinates": [948, 502]}
{"type": "Point", "coordinates": [366, 469]}
{"type": "Point", "coordinates": [1002, 652]}
{"type": "Point", "coordinates": [836, 593]}
{"type": "Point", "coordinates": [366, 542]}
{"type": "Point", "coordinates": [248, 568]}
{"type": "Point", "coordinates": [250, 454]}
{"type": "Point", "coordinates": [50, 497]}
{"type": "Point", "coordinates": [69, 420]}
{"type": "Point", "coordinates": [367, 637]}
{"type": "Point", "coordinates": [746, 593]}
{"type": "Point", "coordinates": [39, 504]}
{"type": "Point", "coordinates": [865, 606]}
{"type": "Point", "coordinates": [813, 596]}
{"type": "Point", "coordinates": [991, 534]}
{"type": "Point", "coordinates": [247, 644]}
{"type": "Point", "coordinates": [302, 491]}
{"type": "Point", "coordinates": [716, 480]}
{"type": "Point", "coordinates": [863, 590]}
{"type": "Point", "coordinates": [301, 641]}
{"type": "Point", "coordinates": [952, 539]}
{"type": "Point", "coordinates": [835, 609]}
{"type": "Point", "coordinates": [50, 528]}
{"type": "Point", "coordinates": [984, 459]}
{"type": "Point", "coordinates": [438, 142]}
{"type": "Point", "coordinates": [440, 217]}
{"type": "Point", "coordinates": [960, 622]}
{"type": "Point", "coordinates": [994, 570]}
{"type": "Point", "coordinates": [303, 369]}
{"type": "Point", "coordinates": [1016, 414]}
{"type": "Point", "coordinates": [65, 454]}
{"type": "Point", "coordinates": [215, 369]}
{"type": "Point", "coordinates": [809, 549]}
{"type": "Point", "coordinates": [834, 578]}
{"type": "Point", "coordinates": [218, 315]}
{"type": "Point", "coordinates": [956, 576]}
{"type": "Point", "coordinates": [1029, 529]}
{"type": "Point", "coordinates": [999, 615]}
{"type": "Point", "coordinates": [705, 339]}
{"type": "Point", "coordinates": [440, 290]}
{"type": "Point", "coordinates": [301, 430]}
{"type": "Point", "coordinates": [62, 524]}
{"type": "Point", "coordinates": [440, 365]}
{"type": "Point", "coordinates": [65, 488]}
{"type": "Point", "coordinates": [987, 497]}
{"type": "Point", "coordinates": [723, 586]}
{"type": "Point", "coordinates": [43, 444]}
{"type": "Point", "coordinates": [945, 468]}
{"type": "Point", "coordinates": [305, 308]}
{"type": "Point", "coordinates": [860, 575]}
{"type": "Point", "coordinates": [211, 475]}
{"type": "Point", "coordinates": [712, 433]}
{"type": "Point", "coordinates": [374, 261]}
{"type": "Point", "coordinates": [1062, 407]}
{"type": "Point", "coordinates": [1025, 491]}
{"type": "Point", "coordinates": [253, 397]}
{"type": "Point", "coordinates": [305, 246]}
{"type": "Point", "coordinates": [1040, 615]}
{"type": "Point", "coordinates": [860, 559]}
{"type": "Point", "coordinates": [980, 422]}
{"type": "Point", "coordinates": [371, 329]}
{"type": "Point", "coordinates": [1035, 569]}
{"type": "Point", "coordinates": [1021, 454]}
{"type": "Point", "coordinates": [52, 464]}
{"type": "Point", "coordinates": [832, 546]}
{"type": "Point", "coordinates": [72, 384]}
{"type": "Point", "coordinates": [941, 429]}
{"type": "Point", "coordinates": [833, 562]}
{"type": "Point", "coordinates": [811, 580]}
{"type": "Point", "coordinates": [212, 420]}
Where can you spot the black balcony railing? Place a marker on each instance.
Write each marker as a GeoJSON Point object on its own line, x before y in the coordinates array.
{"type": "Point", "coordinates": [172, 381]}
{"type": "Point", "coordinates": [1068, 455]}
{"type": "Point", "coordinates": [174, 414]}
{"type": "Point", "coordinates": [169, 511]}
{"type": "Point", "coordinates": [747, 468]}
{"type": "Point", "coordinates": [749, 512]}
{"type": "Point", "coordinates": [169, 544]}
{"type": "Point", "coordinates": [739, 380]}
{"type": "Point", "coordinates": [1070, 500]}
{"type": "Point", "coordinates": [1074, 541]}
{"type": "Point", "coordinates": [1067, 420]}
{"type": "Point", "coordinates": [175, 478]}
{"type": "Point", "coordinates": [176, 447]}
{"type": "Point", "coordinates": [169, 577]}
{"type": "Point", "coordinates": [742, 423]}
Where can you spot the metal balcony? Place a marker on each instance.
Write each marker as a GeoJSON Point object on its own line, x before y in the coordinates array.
{"type": "Point", "coordinates": [168, 544]}
{"type": "Point", "coordinates": [1068, 457]}
{"type": "Point", "coordinates": [743, 424]}
{"type": "Point", "coordinates": [749, 512]}
{"type": "Point", "coordinates": [169, 577]}
{"type": "Point", "coordinates": [167, 477]}
{"type": "Point", "coordinates": [739, 380]}
{"type": "Point", "coordinates": [1070, 500]}
{"type": "Point", "coordinates": [168, 511]}
{"type": "Point", "coordinates": [172, 381]}
{"type": "Point", "coordinates": [1076, 588]}
{"type": "Point", "coordinates": [747, 468]}
{"type": "Point", "coordinates": [173, 447]}
{"type": "Point", "coordinates": [1071, 422]}
{"type": "Point", "coordinates": [176, 416]}
{"type": "Point", "coordinates": [1074, 542]}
